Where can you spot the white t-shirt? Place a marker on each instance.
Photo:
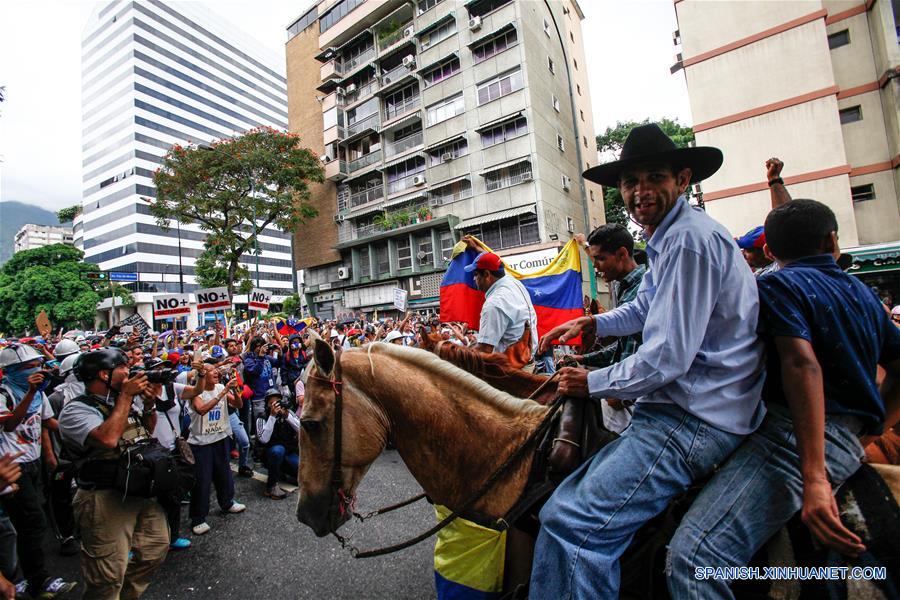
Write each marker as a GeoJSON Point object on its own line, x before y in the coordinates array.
{"type": "Point", "coordinates": [163, 431]}
{"type": "Point", "coordinates": [214, 425]}
{"type": "Point", "coordinates": [26, 437]}
{"type": "Point", "coordinates": [507, 306]}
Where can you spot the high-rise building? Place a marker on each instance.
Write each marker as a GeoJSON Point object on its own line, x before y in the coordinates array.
{"type": "Point", "coordinates": [156, 74]}
{"type": "Point", "coordinates": [437, 119]}
{"type": "Point", "coordinates": [814, 83]}
{"type": "Point", "coordinates": [32, 236]}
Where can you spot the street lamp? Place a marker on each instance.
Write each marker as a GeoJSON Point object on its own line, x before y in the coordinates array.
{"type": "Point", "coordinates": [180, 268]}
{"type": "Point", "coordinates": [252, 194]}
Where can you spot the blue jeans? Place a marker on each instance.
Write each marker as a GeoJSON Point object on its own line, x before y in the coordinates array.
{"type": "Point", "coordinates": [277, 458]}
{"type": "Point", "coordinates": [754, 494]}
{"type": "Point", "coordinates": [240, 437]}
{"type": "Point", "coordinates": [592, 516]}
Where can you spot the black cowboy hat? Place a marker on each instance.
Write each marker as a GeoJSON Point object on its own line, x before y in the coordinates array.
{"type": "Point", "coordinates": [648, 143]}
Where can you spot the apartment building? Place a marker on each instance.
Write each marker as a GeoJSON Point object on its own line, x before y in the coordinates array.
{"type": "Point", "coordinates": [814, 83]}
{"type": "Point", "coordinates": [437, 119]}
{"type": "Point", "coordinates": [155, 74]}
{"type": "Point", "coordinates": [32, 236]}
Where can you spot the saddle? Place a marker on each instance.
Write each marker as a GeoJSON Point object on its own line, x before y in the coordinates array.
{"type": "Point", "coordinates": [577, 435]}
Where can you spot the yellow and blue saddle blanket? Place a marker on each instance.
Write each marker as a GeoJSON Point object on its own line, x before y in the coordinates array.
{"type": "Point", "coordinates": [468, 560]}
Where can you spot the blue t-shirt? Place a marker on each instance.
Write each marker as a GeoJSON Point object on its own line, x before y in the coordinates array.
{"type": "Point", "coordinates": [848, 328]}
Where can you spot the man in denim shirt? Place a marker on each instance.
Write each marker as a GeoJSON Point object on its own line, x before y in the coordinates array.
{"type": "Point", "coordinates": [698, 374]}
{"type": "Point", "coordinates": [826, 333]}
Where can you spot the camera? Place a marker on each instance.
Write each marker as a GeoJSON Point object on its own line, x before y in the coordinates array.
{"type": "Point", "coordinates": [159, 375]}
{"type": "Point", "coordinates": [284, 403]}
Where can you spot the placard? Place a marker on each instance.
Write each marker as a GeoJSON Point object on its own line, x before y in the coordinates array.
{"type": "Point", "coordinates": [212, 299]}
{"type": "Point", "coordinates": [43, 324]}
{"type": "Point", "coordinates": [138, 322]}
{"type": "Point", "coordinates": [400, 298]}
{"type": "Point", "coordinates": [171, 305]}
{"type": "Point", "coordinates": [259, 300]}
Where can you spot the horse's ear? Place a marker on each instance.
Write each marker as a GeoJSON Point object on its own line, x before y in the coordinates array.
{"type": "Point", "coordinates": [323, 356]}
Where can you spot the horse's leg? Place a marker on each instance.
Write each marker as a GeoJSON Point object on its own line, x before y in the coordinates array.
{"type": "Point", "coordinates": [519, 555]}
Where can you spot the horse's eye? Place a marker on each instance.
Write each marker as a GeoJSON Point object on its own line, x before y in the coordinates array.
{"type": "Point", "coordinates": [311, 426]}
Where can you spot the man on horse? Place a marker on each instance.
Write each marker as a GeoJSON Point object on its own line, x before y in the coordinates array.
{"type": "Point", "coordinates": [508, 320]}
{"type": "Point", "coordinates": [698, 374]}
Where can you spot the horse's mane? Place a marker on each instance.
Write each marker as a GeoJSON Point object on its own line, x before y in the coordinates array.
{"type": "Point", "coordinates": [457, 377]}
{"type": "Point", "coordinates": [491, 367]}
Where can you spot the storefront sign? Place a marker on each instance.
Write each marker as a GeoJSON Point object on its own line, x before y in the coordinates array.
{"type": "Point", "coordinates": [530, 262]}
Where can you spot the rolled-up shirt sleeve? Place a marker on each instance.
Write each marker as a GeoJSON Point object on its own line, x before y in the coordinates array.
{"type": "Point", "coordinates": [686, 290]}
{"type": "Point", "coordinates": [628, 318]}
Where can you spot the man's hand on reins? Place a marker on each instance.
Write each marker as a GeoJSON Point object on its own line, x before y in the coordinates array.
{"type": "Point", "coordinates": [573, 382]}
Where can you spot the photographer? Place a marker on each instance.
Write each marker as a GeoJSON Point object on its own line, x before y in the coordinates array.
{"type": "Point", "coordinates": [98, 427]}
{"type": "Point", "coordinates": [259, 374]}
{"type": "Point", "coordinates": [279, 436]}
{"type": "Point", "coordinates": [295, 360]}
{"type": "Point", "coordinates": [210, 430]}
{"type": "Point", "coordinates": [25, 415]}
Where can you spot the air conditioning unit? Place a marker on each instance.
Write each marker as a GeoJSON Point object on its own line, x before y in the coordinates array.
{"type": "Point", "coordinates": [338, 218]}
{"type": "Point", "coordinates": [474, 23]}
{"type": "Point", "coordinates": [566, 183]}
{"type": "Point", "coordinates": [408, 60]}
{"type": "Point", "coordinates": [448, 156]}
{"type": "Point", "coordinates": [340, 91]}
{"type": "Point", "coordinates": [420, 255]}
{"type": "Point", "coordinates": [343, 272]}
{"type": "Point", "coordinates": [325, 158]}
{"type": "Point", "coordinates": [350, 89]}
{"type": "Point", "coordinates": [425, 45]}
{"type": "Point", "coordinates": [408, 31]}
{"type": "Point", "coordinates": [419, 180]}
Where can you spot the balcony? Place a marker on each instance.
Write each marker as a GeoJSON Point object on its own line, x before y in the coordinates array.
{"type": "Point", "coordinates": [406, 183]}
{"type": "Point", "coordinates": [396, 74]}
{"type": "Point", "coordinates": [405, 30]}
{"type": "Point", "coordinates": [364, 161]}
{"type": "Point", "coordinates": [361, 93]}
{"type": "Point", "coordinates": [349, 236]}
{"type": "Point", "coordinates": [336, 170]}
{"type": "Point", "coordinates": [398, 110]}
{"type": "Point", "coordinates": [366, 196]}
{"type": "Point", "coordinates": [339, 68]}
{"type": "Point", "coordinates": [333, 134]}
{"type": "Point", "coordinates": [404, 144]}
{"type": "Point", "coordinates": [372, 122]}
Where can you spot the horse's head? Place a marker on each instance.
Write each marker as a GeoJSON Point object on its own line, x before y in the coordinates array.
{"type": "Point", "coordinates": [326, 495]}
{"type": "Point", "coordinates": [428, 341]}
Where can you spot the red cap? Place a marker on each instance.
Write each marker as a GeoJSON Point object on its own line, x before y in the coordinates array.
{"type": "Point", "coordinates": [486, 261]}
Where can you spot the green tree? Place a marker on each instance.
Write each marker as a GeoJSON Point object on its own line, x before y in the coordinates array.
{"type": "Point", "coordinates": [211, 270]}
{"type": "Point", "coordinates": [51, 278]}
{"type": "Point", "coordinates": [291, 304]}
{"type": "Point", "coordinates": [611, 141]}
{"type": "Point", "coordinates": [68, 214]}
{"type": "Point", "coordinates": [262, 175]}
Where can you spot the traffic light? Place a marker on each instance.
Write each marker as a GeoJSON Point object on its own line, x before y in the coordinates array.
{"type": "Point", "coordinates": [95, 275]}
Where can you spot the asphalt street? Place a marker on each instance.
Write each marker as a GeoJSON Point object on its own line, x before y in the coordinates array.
{"type": "Point", "coordinates": [266, 553]}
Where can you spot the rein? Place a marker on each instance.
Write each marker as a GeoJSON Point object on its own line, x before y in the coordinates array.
{"type": "Point", "coordinates": [346, 502]}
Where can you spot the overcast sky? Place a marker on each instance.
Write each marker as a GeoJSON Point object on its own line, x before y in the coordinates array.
{"type": "Point", "coordinates": [628, 45]}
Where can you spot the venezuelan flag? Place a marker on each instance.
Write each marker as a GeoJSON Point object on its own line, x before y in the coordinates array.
{"type": "Point", "coordinates": [469, 560]}
{"type": "Point", "coordinates": [555, 290]}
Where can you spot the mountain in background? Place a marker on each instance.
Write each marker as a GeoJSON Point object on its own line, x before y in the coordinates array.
{"type": "Point", "coordinates": [15, 214]}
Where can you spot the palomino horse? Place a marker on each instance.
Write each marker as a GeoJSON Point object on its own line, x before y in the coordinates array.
{"type": "Point", "coordinates": [452, 431]}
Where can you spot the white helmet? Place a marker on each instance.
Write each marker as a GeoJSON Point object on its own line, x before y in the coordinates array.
{"type": "Point", "coordinates": [392, 335]}
{"type": "Point", "coordinates": [65, 348]}
{"type": "Point", "coordinates": [68, 363]}
{"type": "Point", "coordinates": [16, 354]}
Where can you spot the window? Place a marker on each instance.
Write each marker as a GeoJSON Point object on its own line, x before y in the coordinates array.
{"type": "Point", "coordinates": [402, 101]}
{"type": "Point", "coordinates": [550, 65]}
{"type": "Point", "coordinates": [426, 5]}
{"type": "Point", "coordinates": [382, 259]}
{"type": "Point", "coordinates": [507, 233]}
{"type": "Point", "coordinates": [838, 39]}
{"type": "Point", "coordinates": [329, 118]}
{"type": "Point", "coordinates": [404, 253]}
{"type": "Point", "coordinates": [850, 114]}
{"type": "Point", "coordinates": [555, 103]}
{"type": "Point", "coordinates": [458, 190]}
{"type": "Point", "coordinates": [365, 267]}
{"type": "Point", "coordinates": [570, 224]}
{"type": "Point", "coordinates": [447, 243]}
{"type": "Point", "coordinates": [560, 142]}
{"type": "Point", "coordinates": [445, 109]}
{"type": "Point", "coordinates": [507, 177]}
{"type": "Point", "coordinates": [479, 9]}
{"type": "Point", "coordinates": [566, 183]}
{"type": "Point", "coordinates": [340, 10]}
{"type": "Point", "coordinates": [504, 131]}
{"type": "Point", "coordinates": [494, 46]}
{"type": "Point", "coordinates": [447, 152]}
{"type": "Point", "coordinates": [402, 176]}
{"type": "Point", "coordinates": [546, 27]}
{"type": "Point", "coordinates": [500, 86]}
{"type": "Point", "coordinates": [861, 193]}
{"type": "Point", "coordinates": [425, 252]}
{"type": "Point", "coordinates": [442, 71]}
{"type": "Point", "coordinates": [438, 34]}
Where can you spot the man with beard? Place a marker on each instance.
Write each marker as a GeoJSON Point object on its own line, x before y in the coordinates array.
{"type": "Point", "coordinates": [697, 376]}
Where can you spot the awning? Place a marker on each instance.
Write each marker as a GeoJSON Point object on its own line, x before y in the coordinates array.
{"type": "Point", "coordinates": [500, 121]}
{"type": "Point", "coordinates": [874, 258]}
{"type": "Point", "coordinates": [444, 142]}
{"type": "Point", "coordinates": [503, 165]}
{"type": "Point", "coordinates": [440, 21]}
{"type": "Point", "coordinates": [416, 195]}
{"type": "Point", "coordinates": [403, 158]}
{"type": "Point", "coordinates": [446, 182]}
{"type": "Point", "coordinates": [497, 216]}
{"type": "Point", "coordinates": [405, 120]}
{"type": "Point", "coordinates": [444, 59]}
{"type": "Point", "coordinates": [488, 36]}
